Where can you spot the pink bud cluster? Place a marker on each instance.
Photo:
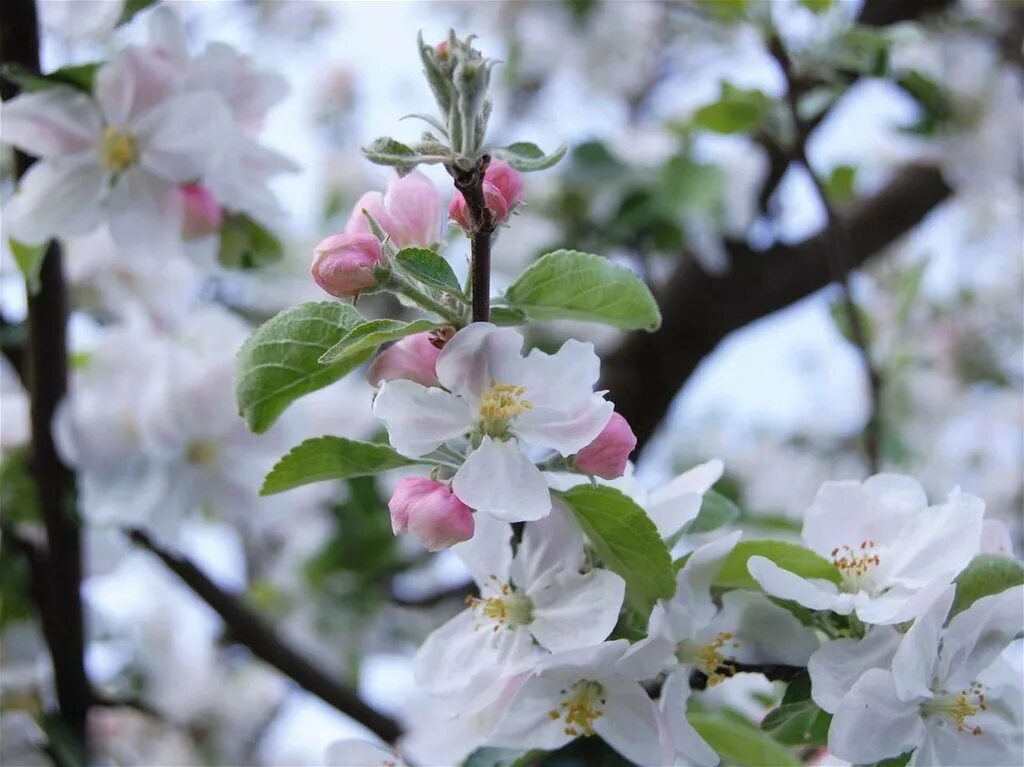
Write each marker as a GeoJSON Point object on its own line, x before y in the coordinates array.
{"type": "Point", "coordinates": [429, 510]}
{"type": "Point", "coordinates": [503, 191]}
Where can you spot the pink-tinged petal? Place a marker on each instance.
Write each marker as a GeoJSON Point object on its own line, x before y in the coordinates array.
{"type": "Point", "coordinates": [345, 265]}
{"type": "Point", "coordinates": [51, 123]}
{"type": "Point", "coordinates": [414, 208]}
{"type": "Point", "coordinates": [132, 83]}
{"type": "Point", "coordinates": [413, 358]}
{"type": "Point", "coordinates": [180, 139]}
{"type": "Point", "coordinates": [498, 478]}
{"type": "Point", "coordinates": [56, 199]}
{"type": "Point", "coordinates": [506, 180]}
{"type": "Point", "coordinates": [372, 203]}
{"type": "Point", "coordinates": [419, 419]}
{"type": "Point", "coordinates": [607, 455]}
{"type": "Point", "coordinates": [428, 509]}
{"type": "Point", "coordinates": [478, 356]}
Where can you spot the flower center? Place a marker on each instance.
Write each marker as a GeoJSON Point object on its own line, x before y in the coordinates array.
{"type": "Point", "coordinates": [511, 609]}
{"type": "Point", "coordinates": [499, 405]}
{"type": "Point", "coordinates": [582, 705]}
{"type": "Point", "coordinates": [709, 657]}
{"type": "Point", "coordinates": [117, 149]}
{"type": "Point", "coordinates": [201, 453]}
{"type": "Point", "coordinates": [959, 707]}
{"type": "Point", "coordinates": [855, 564]}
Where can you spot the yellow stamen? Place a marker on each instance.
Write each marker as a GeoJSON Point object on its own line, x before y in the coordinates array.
{"type": "Point", "coordinates": [581, 706]}
{"type": "Point", "coordinates": [856, 563]}
{"type": "Point", "coordinates": [511, 609]}
{"type": "Point", "coordinates": [499, 405]}
{"type": "Point", "coordinates": [960, 707]}
{"type": "Point", "coordinates": [117, 149]}
{"type": "Point", "coordinates": [709, 657]}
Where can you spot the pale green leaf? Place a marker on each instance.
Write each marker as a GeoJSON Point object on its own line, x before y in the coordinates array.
{"type": "Point", "coordinates": [29, 259]}
{"type": "Point", "coordinates": [280, 361]}
{"type": "Point", "coordinates": [503, 315]}
{"type": "Point", "coordinates": [738, 110]}
{"type": "Point", "coordinates": [715, 511]}
{"type": "Point", "coordinates": [568, 284]}
{"type": "Point", "coordinates": [987, 574]}
{"type": "Point", "coordinates": [366, 337]}
{"type": "Point", "coordinates": [325, 458]}
{"type": "Point", "coordinates": [739, 743]}
{"type": "Point", "coordinates": [626, 541]}
{"type": "Point", "coordinates": [789, 556]}
{"type": "Point", "coordinates": [429, 268]}
{"type": "Point", "coordinates": [525, 156]}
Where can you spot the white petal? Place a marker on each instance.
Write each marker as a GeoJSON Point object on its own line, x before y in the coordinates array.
{"type": "Point", "coordinates": [479, 355]}
{"type": "Point", "coordinates": [693, 584]}
{"type": "Point", "coordinates": [572, 610]}
{"type": "Point", "coordinates": [837, 665]}
{"type": "Point", "coordinates": [817, 595]}
{"type": "Point", "coordinates": [765, 632]}
{"type": "Point", "coordinates": [897, 491]}
{"type": "Point", "coordinates": [655, 652]}
{"type": "Point", "coordinates": [552, 543]}
{"type": "Point", "coordinates": [420, 418]}
{"type": "Point", "coordinates": [872, 723]}
{"type": "Point", "coordinates": [567, 431]}
{"type": "Point", "coordinates": [361, 753]}
{"type": "Point", "coordinates": [180, 138]}
{"type": "Point", "coordinates": [527, 723]}
{"type": "Point", "coordinates": [145, 214]}
{"type": "Point", "coordinates": [133, 83]}
{"type": "Point", "coordinates": [585, 662]}
{"type": "Point", "coordinates": [56, 199]}
{"type": "Point", "coordinates": [975, 637]}
{"type": "Point", "coordinates": [898, 604]}
{"type": "Point", "coordinates": [498, 478]}
{"type": "Point", "coordinates": [913, 666]}
{"type": "Point", "coordinates": [679, 502]}
{"type": "Point", "coordinates": [945, 746]}
{"type": "Point", "coordinates": [689, 745]}
{"type": "Point", "coordinates": [488, 554]}
{"type": "Point", "coordinates": [995, 538]}
{"type": "Point", "coordinates": [630, 723]}
{"type": "Point", "coordinates": [563, 380]}
{"type": "Point", "coordinates": [51, 123]}
{"type": "Point", "coordinates": [847, 513]}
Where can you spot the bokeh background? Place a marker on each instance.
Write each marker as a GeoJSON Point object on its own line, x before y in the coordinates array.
{"type": "Point", "coordinates": [918, 140]}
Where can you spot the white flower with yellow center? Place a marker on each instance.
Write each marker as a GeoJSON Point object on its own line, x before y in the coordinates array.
{"type": "Point", "coordinates": [585, 692]}
{"type": "Point", "coordinates": [117, 155]}
{"type": "Point", "coordinates": [894, 552]}
{"type": "Point", "coordinates": [499, 402]}
{"type": "Point", "coordinates": [952, 695]}
{"type": "Point", "coordinates": [537, 601]}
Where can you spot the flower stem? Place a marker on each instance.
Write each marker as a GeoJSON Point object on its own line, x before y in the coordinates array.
{"type": "Point", "coordinates": [471, 184]}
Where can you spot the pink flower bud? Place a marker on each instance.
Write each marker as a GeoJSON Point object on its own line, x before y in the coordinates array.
{"type": "Point", "coordinates": [430, 511]}
{"type": "Point", "coordinates": [413, 358]}
{"type": "Point", "coordinates": [344, 264]}
{"type": "Point", "coordinates": [203, 216]}
{"type": "Point", "coordinates": [507, 180]}
{"type": "Point", "coordinates": [458, 211]}
{"type": "Point", "coordinates": [606, 456]}
{"type": "Point", "coordinates": [409, 212]}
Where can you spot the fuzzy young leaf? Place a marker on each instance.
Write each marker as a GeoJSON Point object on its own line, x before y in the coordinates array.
{"type": "Point", "coordinates": [740, 743]}
{"type": "Point", "coordinates": [789, 556]}
{"type": "Point", "coordinates": [627, 542]}
{"type": "Point", "coordinates": [279, 362]}
{"type": "Point", "coordinates": [29, 259]}
{"type": "Point", "coordinates": [527, 157]}
{"type": "Point", "coordinates": [987, 574]}
{"type": "Point", "coordinates": [325, 458]}
{"type": "Point", "coordinates": [366, 337]}
{"type": "Point", "coordinates": [247, 244]}
{"type": "Point", "coordinates": [567, 284]}
{"type": "Point", "coordinates": [387, 151]}
{"type": "Point", "coordinates": [429, 268]}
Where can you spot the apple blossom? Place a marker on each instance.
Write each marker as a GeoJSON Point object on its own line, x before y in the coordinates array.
{"type": "Point", "coordinates": [953, 695]}
{"type": "Point", "coordinates": [346, 264]}
{"type": "Point", "coordinates": [503, 192]}
{"type": "Point", "coordinates": [675, 504]}
{"type": "Point", "coordinates": [607, 455]}
{"type": "Point", "coordinates": [202, 214]}
{"type": "Point", "coordinates": [409, 212]}
{"type": "Point", "coordinates": [413, 358]}
{"type": "Point", "coordinates": [894, 552]}
{"type": "Point", "coordinates": [836, 666]}
{"type": "Point", "coordinates": [430, 511]}
{"type": "Point", "coordinates": [543, 597]}
{"type": "Point", "coordinates": [499, 401]}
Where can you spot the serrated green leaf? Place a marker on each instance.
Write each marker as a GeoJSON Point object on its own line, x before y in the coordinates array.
{"type": "Point", "coordinates": [429, 268]}
{"type": "Point", "coordinates": [987, 574]}
{"type": "Point", "coordinates": [29, 259]}
{"type": "Point", "coordinates": [324, 458]}
{"type": "Point", "coordinates": [568, 284]}
{"type": "Point", "coordinates": [247, 244]}
{"type": "Point", "coordinates": [503, 315]}
{"type": "Point", "coordinates": [741, 744]}
{"type": "Point", "coordinates": [715, 511]}
{"type": "Point", "coordinates": [789, 556]}
{"type": "Point", "coordinates": [280, 361]}
{"type": "Point", "coordinates": [527, 157]}
{"type": "Point", "coordinates": [366, 337]}
{"type": "Point", "coordinates": [626, 541]}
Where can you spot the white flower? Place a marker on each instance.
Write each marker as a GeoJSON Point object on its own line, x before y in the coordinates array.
{"type": "Point", "coordinates": [675, 504]}
{"type": "Point", "coordinates": [118, 157]}
{"type": "Point", "coordinates": [837, 665]}
{"type": "Point", "coordinates": [537, 599]}
{"type": "Point", "coordinates": [585, 692]}
{"type": "Point", "coordinates": [895, 553]}
{"type": "Point", "coordinates": [361, 753]}
{"type": "Point", "coordinates": [953, 695]}
{"type": "Point", "coordinates": [499, 400]}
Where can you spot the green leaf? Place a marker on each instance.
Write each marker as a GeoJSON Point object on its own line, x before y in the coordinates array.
{"type": "Point", "coordinates": [367, 336]}
{"type": "Point", "coordinates": [78, 76]}
{"type": "Point", "coordinates": [526, 157]}
{"type": "Point", "coordinates": [739, 743]}
{"type": "Point", "coordinates": [626, 540]}
{"type": "Point", "coordinates": [131, 7]}
{"type": "Point", "coordinates": [503, 315]}
{"type": "Point", "coordinates": [798, 721]}
{"type": "Point", "coordinates": [387, 151]}
{"type": "Point", "coordinates": [429, 268]}
{"type": "Point", "coordinates": [837, 309]}
{"type": "Point", "coordinates": [816, 6]}
{"type": "Point", "coordinates": [247, 244]}
{"type": "Point", "coordinates": [568, 284]}
{"type": "Point", "coordinates": [29, 259]}
{"type": "Point", "coordinates": [840, 183]}
{"type": "Point", "coordinates": [987, 574]}
{"type": "Point", "coordinates": [489, 756]}
{"type": "Point", "coordinates": [280, 361]}
{"type": "Point", "coordinates": [324, 458]}
{"type": "Point", "coordinates": [788, 556]}
{"type": "Point", "coordinates": [715, 511]}
{"type": "Point", "coordinates": [738, 110]}
{"type": "Point", "coordinates": [933, 99]}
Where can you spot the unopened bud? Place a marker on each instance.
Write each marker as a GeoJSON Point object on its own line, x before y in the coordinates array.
{"type": "Point", "coordinates": [458, 210]}
{"type": "Point", "coordinates": [346, 264]}
{"type": "Point", "coordinates": [414, 358]}
{"type": "Point", "coordinates": [202, 215]}
{"type": "Point", "coordinates": [430, 511]}
{"type": "Point", "coordinates": [607, 455]}
{"type": "Point", "coordinates": [409, 212]}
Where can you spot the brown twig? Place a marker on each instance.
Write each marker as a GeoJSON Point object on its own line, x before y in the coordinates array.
{"type": "Point", "coordinates": [471, 185]}
{"type": "Point", "coordinates": [250, 630]}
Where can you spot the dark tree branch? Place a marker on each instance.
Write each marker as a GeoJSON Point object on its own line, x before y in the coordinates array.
{"type": "Point", "coordinates": [471, 184]}
{"type": "Point", "coordinates": [248, 629]}
{"type": "Point", "coordinates": [460, 591]}
{"type": "Point", "coordinates": [46, 364]}
{"type": "Point", "coordinates": [773, 672]}
{"type": "Point", "coordinates": [699, 309]}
